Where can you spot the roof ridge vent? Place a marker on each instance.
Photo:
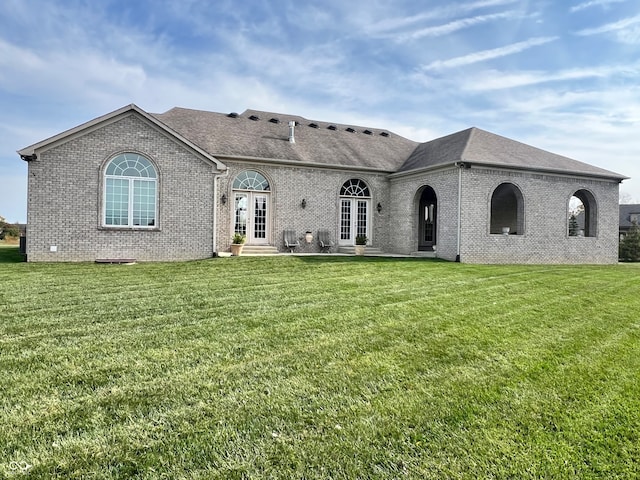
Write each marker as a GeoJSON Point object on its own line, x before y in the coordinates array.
{"type": "Point", "coordinates": [255, 118]}
{"type": "Point", "coordinates": [233, 115]}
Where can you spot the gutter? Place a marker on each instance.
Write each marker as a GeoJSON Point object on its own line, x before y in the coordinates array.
{"type": "Point", "coordinates": [299, 163]}
{"type": "Point", "coordinates": [562, 173]}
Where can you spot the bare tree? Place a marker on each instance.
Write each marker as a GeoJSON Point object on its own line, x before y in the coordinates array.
{"type": "Point", "coordinates": [625, 197]}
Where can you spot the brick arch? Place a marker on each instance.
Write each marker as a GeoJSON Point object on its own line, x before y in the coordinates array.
{"type": "Point", "coordinates": [506, 209]}
{"type": "Point", "coordinates": [588, 223]}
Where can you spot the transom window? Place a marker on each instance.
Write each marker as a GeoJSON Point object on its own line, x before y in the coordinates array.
{"type": "Point", "coordinates": [354, 188]}
{"type": "Point", "coordinates": [130, 192]}
{"type": "Point", "coordinates": [250, 180]}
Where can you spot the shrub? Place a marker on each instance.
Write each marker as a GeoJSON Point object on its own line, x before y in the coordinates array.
{"type": "Point", "coordinates": [630, 246]}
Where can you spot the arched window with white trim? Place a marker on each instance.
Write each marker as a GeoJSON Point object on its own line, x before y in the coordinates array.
{"type": "Point", "coordinates": [130, 192]}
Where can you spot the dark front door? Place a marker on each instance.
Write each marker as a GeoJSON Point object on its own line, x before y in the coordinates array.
{"type": "Point", "coordinates": [427, 217]}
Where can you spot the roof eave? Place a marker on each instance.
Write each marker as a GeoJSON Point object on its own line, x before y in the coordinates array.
{"type": "Point", "coordinates": [299, 163]}
{"type": "Point", "coordinates": [431, 168]}
{"type": "Point", "coordinates": [609, 176]}
{"type": "Point", "coordinates": [31, 149]}
{"type": "Point", "coordinates": [442, 166]}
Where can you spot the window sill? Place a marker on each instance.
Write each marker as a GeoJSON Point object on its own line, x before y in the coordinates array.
{"type": "Point", "coordinates": [128, 229]}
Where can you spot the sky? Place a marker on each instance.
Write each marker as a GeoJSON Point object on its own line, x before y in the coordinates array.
{"type": "Point", "coordinates": [559, 75]}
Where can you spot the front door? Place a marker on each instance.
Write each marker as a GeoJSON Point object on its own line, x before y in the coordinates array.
{"type": "Point", "coordinates": [252, 216]}
{"type": "Point", "coordinates": [427, 217]}
{"type": "Point", "coordinates": [354, 219]}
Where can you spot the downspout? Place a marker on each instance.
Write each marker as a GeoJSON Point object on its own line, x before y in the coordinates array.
{"type": "Point", "coordinates": [460, 167]}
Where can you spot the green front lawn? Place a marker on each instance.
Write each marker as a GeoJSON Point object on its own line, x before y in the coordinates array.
{"type": "Point", "coordinates": [319, 367]}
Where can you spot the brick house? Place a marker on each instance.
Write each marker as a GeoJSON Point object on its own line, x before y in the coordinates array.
{"type": "Point", "coordinates": [629, 216]}
{"type": "Point", "coordinates": [177, 185]}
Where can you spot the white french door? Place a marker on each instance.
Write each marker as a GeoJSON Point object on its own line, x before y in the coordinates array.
{"type": "Point", "coordinates": [354, 219]}
{"type": "Point", "coordinates": [251, 216]}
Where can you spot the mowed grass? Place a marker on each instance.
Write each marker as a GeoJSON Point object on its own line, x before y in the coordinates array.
{"type": "Point", "coordinates": [319, 367]}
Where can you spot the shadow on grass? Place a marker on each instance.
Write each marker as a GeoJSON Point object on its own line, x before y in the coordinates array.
{"type": "Point", "coordinates": [10, 254]}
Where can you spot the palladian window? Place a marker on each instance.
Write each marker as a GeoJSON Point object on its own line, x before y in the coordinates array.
{"type": "Point", "coordinates": [130, 192]}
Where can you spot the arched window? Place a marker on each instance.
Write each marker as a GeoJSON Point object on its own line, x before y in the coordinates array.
{"type": "Point", "coordinates": [583, 218]}
{"type": "Point", "coordinates": [354, 188]}
{"type": "Point", "coordinates": [507, 210]}
{"type": "Point", "coordinates": [250, 180]}
{"type": "Point", "coordinates": [130, 192]}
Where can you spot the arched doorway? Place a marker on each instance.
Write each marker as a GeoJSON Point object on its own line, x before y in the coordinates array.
{"type": "Point", "coordinates": [427, 219]}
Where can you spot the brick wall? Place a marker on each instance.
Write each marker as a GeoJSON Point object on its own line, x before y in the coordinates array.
{"type": "Point", "coordinates": [545, 237]}
{"type": "Point", "coordinates": [289, 185]}
{"type": "Point", "coordinates": [403, 222]}
{"type": "Point", "coordinates": [65, 195]}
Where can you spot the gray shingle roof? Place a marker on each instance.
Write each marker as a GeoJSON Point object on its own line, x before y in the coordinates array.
{"type": "Point", "coordinates": [217, 135]}
{"type": "Point", "coordinates": [481, 147]}
{"type": "Point", "coordinates": [222, 135]}
{"type": "Point", "coordinates": [625, 214]}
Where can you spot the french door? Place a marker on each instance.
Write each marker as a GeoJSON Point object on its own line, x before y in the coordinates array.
{"type": "Point", "coordinates": [354, 219]}
{"type": "Point", "coordinates": [427, 219]}
{"type": "Point", "coordinates": [251, 216]}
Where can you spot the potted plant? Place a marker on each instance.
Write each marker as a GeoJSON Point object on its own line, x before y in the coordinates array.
{"type": "Point", "coordinates": [237, 242]}
{"type": "Point", "coordinates": [361, 242]}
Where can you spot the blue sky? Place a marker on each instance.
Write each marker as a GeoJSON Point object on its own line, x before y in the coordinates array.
{"type": "Point", "coordinates": [560, 75]}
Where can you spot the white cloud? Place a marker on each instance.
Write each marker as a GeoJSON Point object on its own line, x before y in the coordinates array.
{"type": "Point", "coordinates": [611, 27]}
{"type": "Point", "coordinates": [448, 11]}
{"type": "Point", "coordinates": [498, 80]}
{"type": "Point", "coordinates": [485, 55]}
{"type": "Point", "coordinates": [593, 3]}
{"type": "Point", "coordinates": [451, 27]}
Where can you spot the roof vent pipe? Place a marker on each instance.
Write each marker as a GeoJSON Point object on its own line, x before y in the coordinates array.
{"type": "Point", "coordinates": [292, 128]}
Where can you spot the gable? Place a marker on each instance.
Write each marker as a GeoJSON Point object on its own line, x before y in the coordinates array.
{"type": "Point", "coordinates": [31, 152]}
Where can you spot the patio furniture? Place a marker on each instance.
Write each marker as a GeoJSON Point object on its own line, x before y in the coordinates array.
{"type": "Point", "coordinates": [291, 240]}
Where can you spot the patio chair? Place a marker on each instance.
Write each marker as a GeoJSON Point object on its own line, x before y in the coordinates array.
{"type": "Point", "coordinates": [291, 240]}
{"type": "Point", "coordinates": [324, 241]}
